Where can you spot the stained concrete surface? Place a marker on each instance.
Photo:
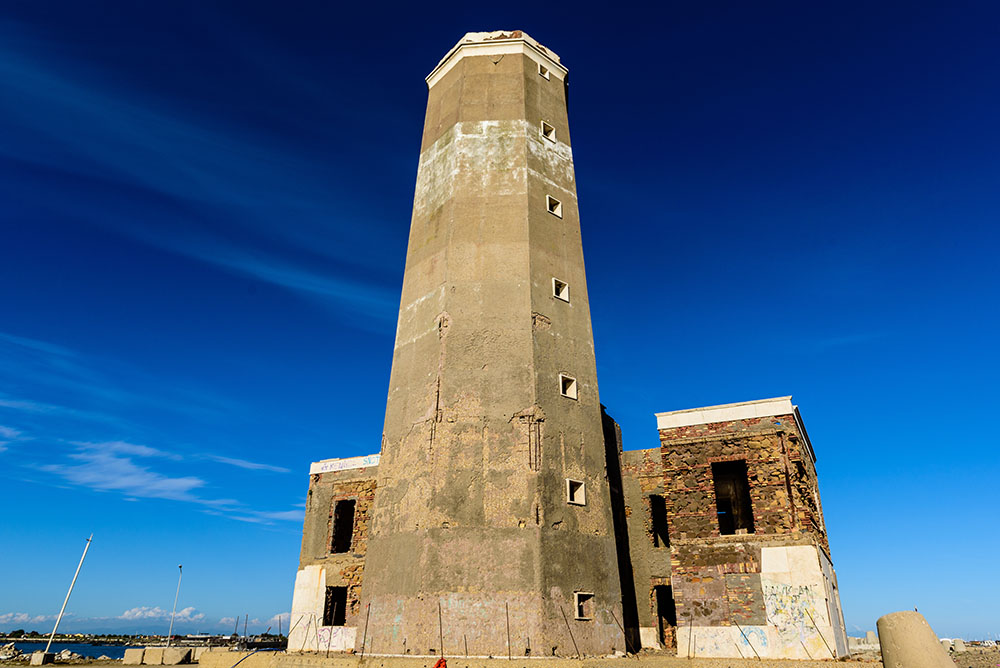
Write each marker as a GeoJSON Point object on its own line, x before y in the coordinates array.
{"type": "Point", "coordinates": [276, 660]}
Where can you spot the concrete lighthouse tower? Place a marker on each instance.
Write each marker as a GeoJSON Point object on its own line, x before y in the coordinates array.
{"type": "Point", "coordinates": [492, 528]}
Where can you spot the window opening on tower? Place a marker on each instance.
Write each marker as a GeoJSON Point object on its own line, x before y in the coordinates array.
{"type": "Point", "coordinates": [553, 205]}
{"type": "Point", "coordinates": [576, 492]}
{"type": "Point", "coordinates": [584, 604]}
{"type": "Point", "coordinates": [560, 290]}
{"type": "Point", "coordinates": [548, 132]}
{"type": "Point", "coordinates": [567, 386]}
{"type": "Point", "coordinates": [543, 71]}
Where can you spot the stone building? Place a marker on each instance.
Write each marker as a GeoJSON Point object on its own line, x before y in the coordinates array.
{"type": "Point", "coordinates": [501, 515]}
{"type": "Point", "coordinates": [729, 552]}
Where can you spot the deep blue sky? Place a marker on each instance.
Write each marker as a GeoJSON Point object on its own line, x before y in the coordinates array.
{"type": "Point", "coordinates": [204, 211]}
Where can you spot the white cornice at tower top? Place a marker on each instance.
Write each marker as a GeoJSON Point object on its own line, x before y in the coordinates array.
{"type": "Point", "coordinates": [498, 42]}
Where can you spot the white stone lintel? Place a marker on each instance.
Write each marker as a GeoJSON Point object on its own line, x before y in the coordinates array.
{"type": "Point", "coordinates": [328, 465]}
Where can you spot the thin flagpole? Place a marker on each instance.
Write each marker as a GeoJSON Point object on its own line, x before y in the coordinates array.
{"type": "Point", "coordinates": [71, 584]}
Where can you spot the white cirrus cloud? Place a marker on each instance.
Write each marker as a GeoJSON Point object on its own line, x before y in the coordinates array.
{"type": "Point", "coordinates": [109, 471]}
{"type": "Point", "coordinates": [124, 448]}
{"type": "Point", "coordinates": [244, 464]}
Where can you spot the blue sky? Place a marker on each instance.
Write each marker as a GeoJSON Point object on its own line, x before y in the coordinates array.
{"type": "Point", "coordinates": [204, 211]}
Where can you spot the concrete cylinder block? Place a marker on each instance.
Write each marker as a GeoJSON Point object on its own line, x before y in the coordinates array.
{"type": "Point", "coordinates": [908, 641]}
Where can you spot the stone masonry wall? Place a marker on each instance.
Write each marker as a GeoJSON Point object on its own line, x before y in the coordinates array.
{"type": "Point", "coordinates": [783, 488]}
{"type": "Point", "coordinates": [342, 569]}
{"type": "Point", "coordinates": [716, 579]}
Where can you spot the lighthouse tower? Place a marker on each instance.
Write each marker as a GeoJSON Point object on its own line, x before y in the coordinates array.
{"type": "Point", "coordinates": [492, 528]}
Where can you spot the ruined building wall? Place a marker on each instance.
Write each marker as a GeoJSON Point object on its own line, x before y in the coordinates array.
{"type": "Point", "coordinates": [643, 477]}
{"type": "Point", "coordinates": [784, 490]}
{"type": "Point", "coordinates": [768, 587]}
{"type": "Point", "coordinates": [326, 562]}
{"type": "Point", "coordinates": [472, 524]}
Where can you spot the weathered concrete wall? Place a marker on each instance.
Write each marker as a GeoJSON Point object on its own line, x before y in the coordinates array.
{"type": "Point", "coordinates": [471, 526]}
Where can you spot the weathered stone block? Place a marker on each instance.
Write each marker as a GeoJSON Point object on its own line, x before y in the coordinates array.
{"type": "Point", "coordinates": [153, 656]}
{"type": "Point", "coordinates": [42, 658]}
{"type": "Point", "coordinates": [133, 656]}
{"type": "Point", "coordinates": [173, 656]}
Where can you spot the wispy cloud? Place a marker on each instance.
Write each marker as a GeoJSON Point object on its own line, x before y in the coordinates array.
{"type": "Point", "coordinates": [229, 192]}
{"type": "Point", "coordinates": [24, 618]}
{"type": "Point", "coordinates": [244, 464]}
{"type": "Point", "coordinates": [9, 433]}
{"type": "Point", "coordinates": [111, 471]}
{"type": "Point", "coordinates": [189, 614]}
{"type": "Point", "coordinates": [113, 466]}
{"type": "Point", "coordinates": [123, 448]}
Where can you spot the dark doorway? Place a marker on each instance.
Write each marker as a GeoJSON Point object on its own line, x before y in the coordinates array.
{"type": "Point", "coordinates": [343, 526]}
{"type": "Point", "coordinates": [732, 497]}
{"type": "Point", "coordinates": [335, 610]}
{"type": "Point", "coordinates": [658, 514]}
{"type": "Point", "coordinates": [666, 614]}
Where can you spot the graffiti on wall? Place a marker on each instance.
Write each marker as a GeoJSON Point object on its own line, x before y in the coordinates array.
{"type": "Point", "coordinates": [335, 638]}
{"type": "Point", "coordinates": [789, 608]}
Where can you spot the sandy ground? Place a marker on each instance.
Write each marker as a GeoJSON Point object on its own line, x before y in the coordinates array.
{"type": "Point", "coordinates": [978, 657]}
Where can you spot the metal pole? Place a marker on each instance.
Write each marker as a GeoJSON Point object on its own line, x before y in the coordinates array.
{"type": "Point", "coordinates": [832, 653]}
{"type": "Point", "coordinates": [170, 633]}
{"type": "Point", "coordinates": [506, 610]}
{"type": "Point", "coordinates": [364, 637]}
{"type": "Point", "coordinates": [71, 584]}
{"type": "Point", "coordinates": [690, 631]}
{"type": "Point", "coordinates": [440, 629]}
{"type": "Point", "coordinates": [565, 619]}
{"type": "Point", "coordinates": [747, 639]}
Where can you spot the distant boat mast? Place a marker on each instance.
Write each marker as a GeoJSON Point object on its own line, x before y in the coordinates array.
{"type": "Point", "coordinates": [180, 574]}
{"type": "Point", "coordinates": [71, 584]}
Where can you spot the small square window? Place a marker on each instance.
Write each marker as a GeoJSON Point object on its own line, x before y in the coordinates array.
{"type": "Point", "coordinates": [576, 492]}
{"type": "Point", "coordinates": [584, 604]}
{"type": "Point", "coordinates": [560, 290]}
{"type": "Point", "coordinates": [543, 71]}
{"type": "Point", "coordinates": [548, 132]}
{"type": "Point", "coordinates": [553, 205]}
{"type": "Point", "coordinates": [567, 386]}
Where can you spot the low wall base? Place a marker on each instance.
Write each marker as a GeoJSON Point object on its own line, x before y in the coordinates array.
{"type": "Point", "coordinates": [223, 659]}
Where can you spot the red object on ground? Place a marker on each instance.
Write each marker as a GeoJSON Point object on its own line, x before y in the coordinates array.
{"type": "Point", "coordinates": [441, 663]}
